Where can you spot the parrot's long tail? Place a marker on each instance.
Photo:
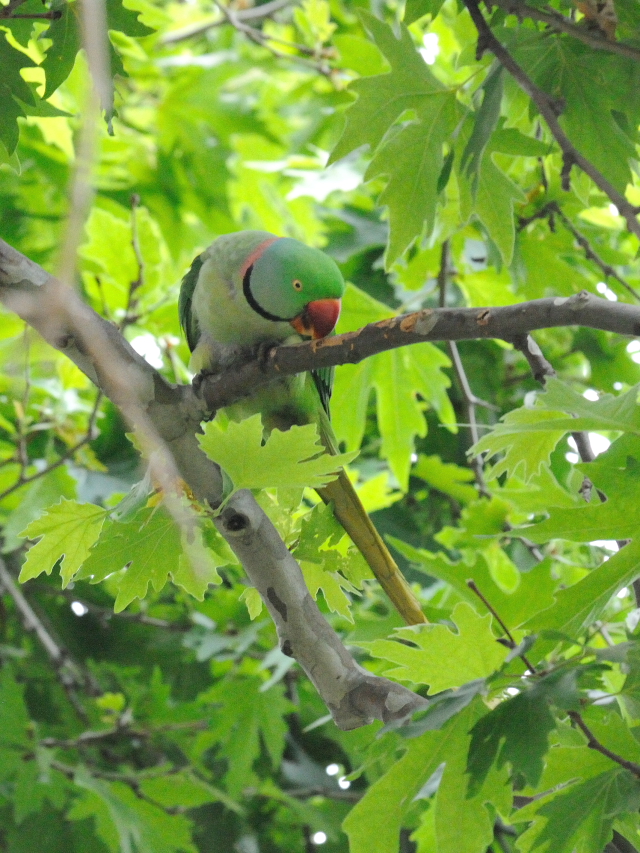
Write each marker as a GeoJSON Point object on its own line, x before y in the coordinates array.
{"type": "Point", "coordinates": [353, 517]}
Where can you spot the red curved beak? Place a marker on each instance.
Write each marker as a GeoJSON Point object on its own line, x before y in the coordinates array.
{"type": "Point", "coordinates": [318, 319]}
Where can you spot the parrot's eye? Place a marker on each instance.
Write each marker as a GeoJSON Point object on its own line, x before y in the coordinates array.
{"type": "Point", "coordinates": [297, 284]}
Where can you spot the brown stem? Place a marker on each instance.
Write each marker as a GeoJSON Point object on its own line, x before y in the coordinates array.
{"type": "Point", "coordinates": [594, 743]}
{"type": "Point", "coordinates": [475, 589]}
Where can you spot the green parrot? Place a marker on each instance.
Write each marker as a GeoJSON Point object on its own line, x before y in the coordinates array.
{"type": "Point", "coordinates": [252, 289]}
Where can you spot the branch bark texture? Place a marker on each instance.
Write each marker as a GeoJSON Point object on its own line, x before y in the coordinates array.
{"type": "Point", "coordinates": [509, 323]}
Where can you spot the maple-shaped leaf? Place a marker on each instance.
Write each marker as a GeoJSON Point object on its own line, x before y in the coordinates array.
{"type": "Point", "coordinates": [608, 412]}
{"type": "Point", "coordinates": [435, 655]}
{"type": "Point", "coordinates": [124, 822]}
{"type": "Point", "coordinates": [66, 531]}
{"type": "Point", "coordinates": [561, 68]}
{"type": "Point", "coordinates": [616, 475]}
{"type": "Point", "coordinates": [151, 547]}
{"type": "Point", "coordinates": [516, 731]}
{"type": "Point", "coordinates": [412, 158]}
{"type": "Point", "coordinates": [383, 98]}
{"type": "Point", "coordinates": [525, 439]}
{"type": "Point", "coordinates": [581, 604]}
{"type": "Point", "coordinates": [245, 719]}
{"type": "Point", "coordinates": [294, 458]}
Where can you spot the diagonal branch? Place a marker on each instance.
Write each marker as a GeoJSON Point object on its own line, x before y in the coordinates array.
{"type": "Point", "coordinates": [70, 675]}
{"type": "Point", "coordinates": [548, 109]}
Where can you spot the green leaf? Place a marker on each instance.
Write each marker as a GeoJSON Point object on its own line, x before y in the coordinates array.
{"type": "Point", "coordinates": [534, 592]}
{"type": "Point", "coordinates": [14, 717]}
{"type": "Point", "coordinates": [34, 499]}
{"type": "Point", "coordinates": [12, 86]}
{"type": "Point", "coordinates": [382, 99]}
{"type": "Point", "coordinates": [462, 815]}
{"type": "Point", "coordinates": [446, 477]}
{"type": "Point", "coordinates": [608, 412]}
{"type": "Point", "coordinates": [374, 822]}
{"type": "Point", "coordinates": [151, 548]}
{"type": "Point", "coordinates": [582, 603]}
{"type": "Point", "coordinates": [415, 9]}
{"type": "Point", "coordinates": [334, 588]}
{"type": "Point", "coordinates": [560, 67]}
{"type": "Point", "coordinates": [126, 823]}
{"type": "Point", "coordinates": [245, 717]}
{"type": "Point", "coordinates": [517, 731]}
{"type": "Point", "coordinates": [402, 379]}
{"type": "Point", "coordinates": [523, 439]}
{"type": "Point", "coordinates": [60, 58]}
{"type": "Point", "coordinates": [613, 519]}
{"type": "Point", "coordinates": [295, 458]}
{"type": "Point", "coordinates": [495, 198]}
{"type": "Point", "coordinates": [484, 121]}
{"type": "Point", "coordinates": [412, 160]}
{"type": "Point", "coordinates": [435, 655]}
{"type": "Point", "coordinates": [581, 817]}
{"type": "Point", "coordinates": [66, 531]}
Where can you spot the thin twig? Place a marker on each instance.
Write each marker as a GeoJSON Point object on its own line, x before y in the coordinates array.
{"type": "Point", "coordinates": [254, 13]}
{"type": "Point", "coordinates": [92, 737]}
{"type": "Point", "coordinates": [132, 300]}
{"type": "Point", "coordinates": [43, 16]}
{"type": "Point", "coordinates": [474, 588]}
{"type": "Point", "coordinates": [68, 454]}
{"type": "Point", "coordinates": [69, 673]}
{"type": "Point", "coordinates": [549, 110]}
{"type": "Point", "coordinates": [106, 614]}
{"type": "Point", "coordinates": [607, 270]}
{"type": "Point", "coordinates": [542, 370]}
{"type": "Point", "coordinates": [262, 39]}
{"type": "Point", "coordinates": [551, 210]}
{"type": "Point", "coordinates": [132, 782]}
{"type": "Point", "coordinates": [470, 398]}
{"type": "Point", "coordinates": [563, 24]}
{"type": "Point", "coordinates": [575, 716]}
{"type": "Point", "coordinates": [594, 743]}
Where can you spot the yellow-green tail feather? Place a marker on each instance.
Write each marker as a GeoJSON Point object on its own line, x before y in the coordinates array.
{"type": "Point", "coordinates": [353, 517]}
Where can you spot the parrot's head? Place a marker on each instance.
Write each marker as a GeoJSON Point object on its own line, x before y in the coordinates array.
{"type": "Point", "coordinates": [285, 280]}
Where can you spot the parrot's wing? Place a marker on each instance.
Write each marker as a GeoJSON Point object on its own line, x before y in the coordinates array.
{"type": "Point", "coordinates": [188, 320]}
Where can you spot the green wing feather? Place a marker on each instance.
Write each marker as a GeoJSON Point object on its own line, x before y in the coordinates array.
{"type": "Point", "coordinates": [188, 320]}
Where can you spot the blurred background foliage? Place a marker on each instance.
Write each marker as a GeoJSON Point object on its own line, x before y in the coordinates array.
{"type": "Point", "coordinates": [177, 725]}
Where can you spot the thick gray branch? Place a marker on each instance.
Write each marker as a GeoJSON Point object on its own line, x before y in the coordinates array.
{"type": "Point", "coordinates": [353, 695]}
{"type": "Point", "coordinates": [509, 323]}
{"type": "Point", "coordinates": [172, 414]}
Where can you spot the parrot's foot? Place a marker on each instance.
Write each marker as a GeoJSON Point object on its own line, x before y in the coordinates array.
{"type": "Point", "coordinates": [262, 352]}
{"type": "Point", "coordinates": [199, 378]}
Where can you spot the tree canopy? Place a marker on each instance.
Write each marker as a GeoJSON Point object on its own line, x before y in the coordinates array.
{"type": "Point", "coordinates": [473, 170]}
